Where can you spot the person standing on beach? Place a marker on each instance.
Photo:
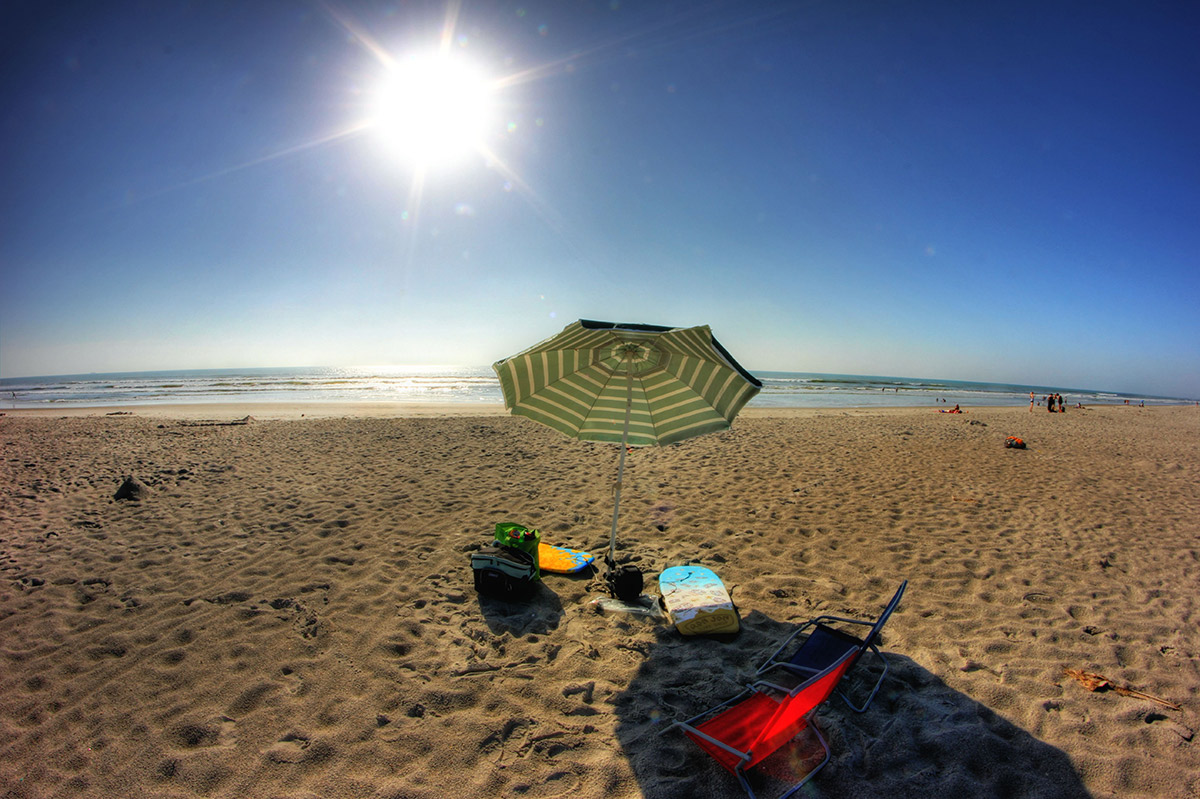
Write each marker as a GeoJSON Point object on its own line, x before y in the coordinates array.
{"type": "Point", "coordinates": [1031, 402]}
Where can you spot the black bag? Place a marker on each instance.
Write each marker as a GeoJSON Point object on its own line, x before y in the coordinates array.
{"type": "Point", "coordinates": [625, 582]}
{"type": "Point", "coordinates": [503, 572]}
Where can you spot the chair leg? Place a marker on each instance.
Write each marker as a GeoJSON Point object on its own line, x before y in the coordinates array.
{"type": "Point", "coordinates": [741, 775]}
{"type": "Point", "coordinates": [742, 778]}
{"type": "Point", "coordinates": [878, 684]}
{"type": "Point", "coordinates": [813, 773]}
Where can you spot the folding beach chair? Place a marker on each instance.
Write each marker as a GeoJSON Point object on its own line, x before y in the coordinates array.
{"type": "Point", "coordinates": [824, 645]}
{"type": "Point", "coordinates": [743, 732]}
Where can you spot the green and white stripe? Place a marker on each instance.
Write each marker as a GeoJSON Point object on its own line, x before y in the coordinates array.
{"type": "Point", "coordinates": [679, 382]}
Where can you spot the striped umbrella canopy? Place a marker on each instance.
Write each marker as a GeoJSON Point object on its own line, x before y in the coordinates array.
{"type": "Point", "coordinates": [635, 384]}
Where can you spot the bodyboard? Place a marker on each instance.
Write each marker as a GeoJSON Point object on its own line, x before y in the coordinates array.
{"type": "Point", "coordinates": [561, 560]}
{"type": "Point", "coordinates": [696, 601]}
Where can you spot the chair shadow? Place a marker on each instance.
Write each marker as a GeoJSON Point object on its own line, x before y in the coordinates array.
{"type": "Point", "coordinates": [919, 738]}
{"type": "Point", "coordinates": [539, 614]}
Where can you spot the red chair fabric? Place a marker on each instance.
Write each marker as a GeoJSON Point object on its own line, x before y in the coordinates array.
{"type": "Point", "coordinates": [760, 724]}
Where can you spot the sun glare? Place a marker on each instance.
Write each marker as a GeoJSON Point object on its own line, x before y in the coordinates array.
{"type": "Point", "coordinates": [434, 111]}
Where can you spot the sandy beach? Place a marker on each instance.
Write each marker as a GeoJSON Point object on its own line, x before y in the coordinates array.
{"type": "Point", "coordinates": [287, 608]}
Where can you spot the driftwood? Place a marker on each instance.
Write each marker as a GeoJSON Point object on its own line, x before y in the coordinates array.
{"type": "Point", "coordinates": [1098, 682]}
{"type": "Point", "coordinates": [214, 423]}
{"type": "Point", "coordinates": [484, 668]}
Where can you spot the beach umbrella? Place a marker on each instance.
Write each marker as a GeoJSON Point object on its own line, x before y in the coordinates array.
{"type": "Point", "coordinates": [632, 384]}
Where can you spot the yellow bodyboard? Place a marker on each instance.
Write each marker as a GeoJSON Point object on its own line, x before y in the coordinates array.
{"type": "Point", "coordinates": [561, 560]}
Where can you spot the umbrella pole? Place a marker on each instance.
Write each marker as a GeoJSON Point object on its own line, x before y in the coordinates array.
{"type": "Point", "coordinates": [612, 541]}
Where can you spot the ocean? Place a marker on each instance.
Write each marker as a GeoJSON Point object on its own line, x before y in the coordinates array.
{"type": "Point", "coordinates": [479, 384]}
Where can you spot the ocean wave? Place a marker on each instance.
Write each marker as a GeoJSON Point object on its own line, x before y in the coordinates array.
{"type": "Point", "coordinates": [479, 384]}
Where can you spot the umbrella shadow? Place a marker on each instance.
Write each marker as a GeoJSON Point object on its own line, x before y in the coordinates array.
{"type": "Point", "coordinates": [919, 738]}
{"type": "Point", "coordinates": [539, 614]}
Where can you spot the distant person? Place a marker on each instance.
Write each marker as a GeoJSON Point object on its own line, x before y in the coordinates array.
{"type": "Point", "coordinates": [1031, 402]}
{"type": "Point", "coordinates": [1050, 403]}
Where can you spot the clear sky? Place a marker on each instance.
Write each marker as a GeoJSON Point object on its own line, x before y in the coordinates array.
{"type": "Point", "coordinates": [1001, 191]}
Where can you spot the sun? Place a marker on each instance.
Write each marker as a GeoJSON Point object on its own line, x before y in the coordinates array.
{"type": "Point", "coordinates": [434, 111]}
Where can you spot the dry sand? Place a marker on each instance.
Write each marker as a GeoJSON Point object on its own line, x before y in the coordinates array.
{"type": "Point", "coordinates": [288, 611]}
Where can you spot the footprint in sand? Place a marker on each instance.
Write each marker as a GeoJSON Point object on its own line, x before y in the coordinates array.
{"type": "Point", "coordinates": [196, 735]}
{"type": "Point", "coordinates": [306, 622]}
{"type": "Point", "coordinates": [288, 749]}
{"type": "Point", "coordinates": [249, 699]}
{"type": "Point", "coordinates": [296, 747]}
{"type": "Point", "coordinates": [173, 657]}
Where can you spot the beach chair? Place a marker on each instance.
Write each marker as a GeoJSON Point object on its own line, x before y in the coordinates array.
{"type": "Point", "coordinates": [824, 644]}
{"type": "Point", "coordinates": [742, 733]}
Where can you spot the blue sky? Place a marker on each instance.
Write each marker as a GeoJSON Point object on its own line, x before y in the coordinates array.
{"type": "Point", "coordinates": [1002, 192]}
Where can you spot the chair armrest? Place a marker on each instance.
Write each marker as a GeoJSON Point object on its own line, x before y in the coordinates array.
{"type": "Point", "coordinates": [847, 621]}
{"type": "Point", "coordinates": [770, 661]}
{"type": "Point", "coordinates": [804, 673]}
{"type": "Point", "coordinates": [692, 730]}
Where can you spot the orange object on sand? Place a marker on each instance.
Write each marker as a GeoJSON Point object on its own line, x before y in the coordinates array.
{"type": "Point", "coordinates": [1098, 682]}
{"type": "Point", "coordinates": [561, 560]}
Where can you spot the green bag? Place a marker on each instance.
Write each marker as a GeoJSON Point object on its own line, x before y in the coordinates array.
{"type": "Point", "coordinates": [523, 538]}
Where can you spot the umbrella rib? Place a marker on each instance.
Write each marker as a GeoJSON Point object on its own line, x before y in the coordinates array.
{"type": "Point", "coordinates": [612, 376]}
{"type": "Point", "coordinates": [628, 370]}
{"type": "Point", "coordinates": [641, 387]}
{"type": "Point", "coordinates": [586, 368]}
{"type": "Point", "coordinates": [595, 398]}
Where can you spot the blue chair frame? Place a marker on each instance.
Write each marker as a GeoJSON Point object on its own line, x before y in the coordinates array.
{"type": "Point", "coordinates": [824, 645]}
